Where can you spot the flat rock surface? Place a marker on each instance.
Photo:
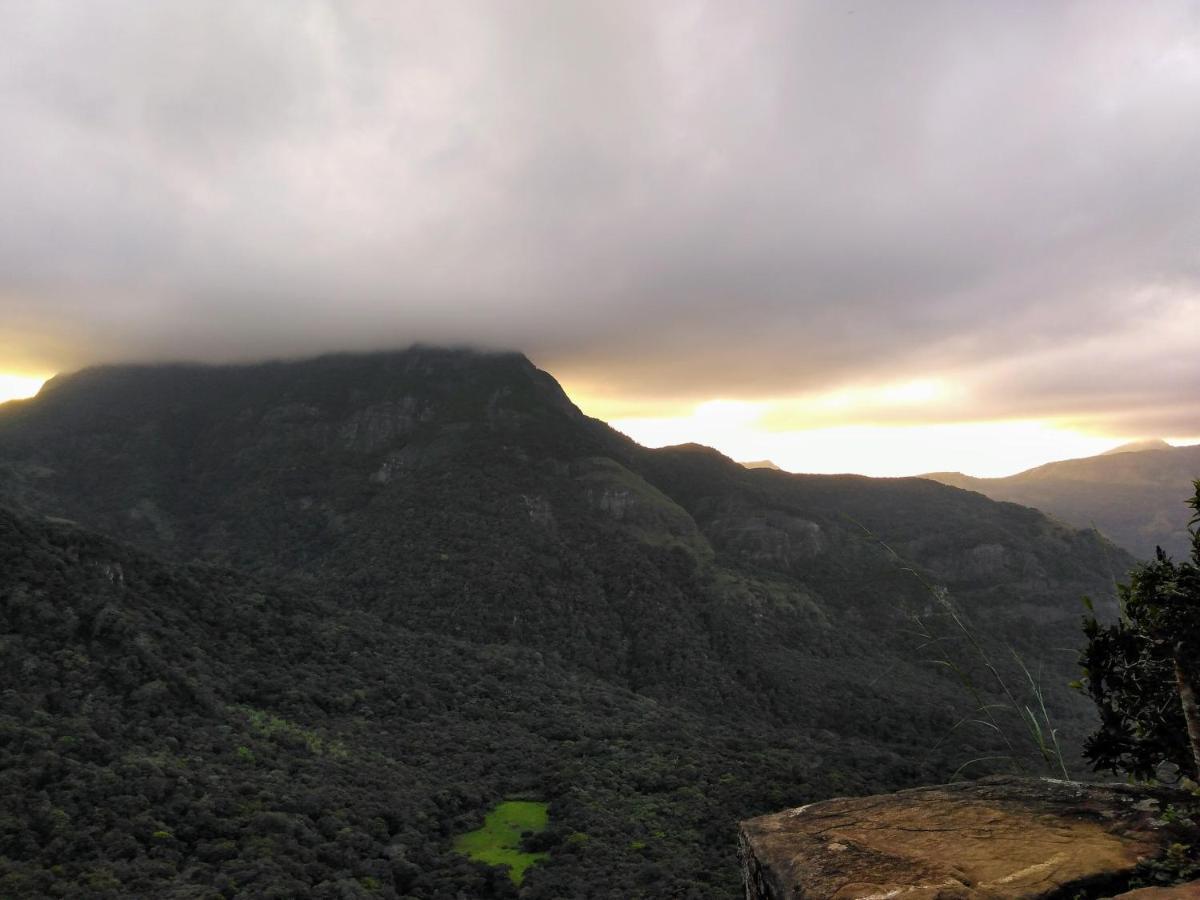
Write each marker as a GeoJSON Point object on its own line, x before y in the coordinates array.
{"type": "Point", "coordinates": [1179, 892]}
{"type": "Point", "coordinates": [1000, 837]}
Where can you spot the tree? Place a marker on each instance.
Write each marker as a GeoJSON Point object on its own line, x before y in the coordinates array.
{"type": "Point", "coordinates": [1144, 671]}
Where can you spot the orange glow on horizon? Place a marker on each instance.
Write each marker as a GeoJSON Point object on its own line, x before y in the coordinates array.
{"type": "Point", "coordinates": [17, 386]}
{"type": "Point", "coordinates": [982, 449]}
{"type": "Point", "coordinates": [889, 430]}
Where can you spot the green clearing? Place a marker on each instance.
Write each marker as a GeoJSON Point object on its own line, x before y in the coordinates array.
{"type": "Point", "coordinates": [498, 842]}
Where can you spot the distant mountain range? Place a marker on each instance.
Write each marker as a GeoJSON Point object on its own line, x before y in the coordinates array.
{"type": "Point", "coordinates": [1134, 494]}
{"type": "Point", "coordinates": [294, 626]}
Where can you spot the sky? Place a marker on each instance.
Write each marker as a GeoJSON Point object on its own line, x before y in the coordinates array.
{"type": "Point", "coordinates": [846, 236]}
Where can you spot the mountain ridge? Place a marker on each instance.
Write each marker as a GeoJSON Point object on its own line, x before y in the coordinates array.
{"type": "Point", "coordinates": [1134, 496]}
{"type": "Point", "coordinates": [307, 464]}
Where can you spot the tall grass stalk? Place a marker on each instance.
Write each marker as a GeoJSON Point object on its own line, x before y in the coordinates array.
{"type": "Point", "coordinates": [1034, 717]}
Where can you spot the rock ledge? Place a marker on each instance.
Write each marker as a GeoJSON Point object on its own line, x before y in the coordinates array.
{"type": "Point", "coordinates": [1000, 837]}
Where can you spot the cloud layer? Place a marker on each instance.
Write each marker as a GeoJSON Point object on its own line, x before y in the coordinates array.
{"type": "Point", "coordinates": [659, 201]}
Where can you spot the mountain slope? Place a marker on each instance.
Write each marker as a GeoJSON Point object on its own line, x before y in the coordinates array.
{"type": "Point", "coordinates": [463, 494]}
{"type": "Point", "coordinates": [167, 731]}
{"type": "Point", "coordinates": [449, 509]}
{"type": "Point", "coordinates": [1134, 495]}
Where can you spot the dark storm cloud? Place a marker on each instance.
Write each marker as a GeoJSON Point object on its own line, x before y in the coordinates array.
{"type": "Point", "coordinates": [667, 199]}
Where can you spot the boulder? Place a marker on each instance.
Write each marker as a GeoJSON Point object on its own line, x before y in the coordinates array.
{"type": "Point", "coordinates": [1178, 892]}
{"type": "Point", "coordinates": [999, 837]}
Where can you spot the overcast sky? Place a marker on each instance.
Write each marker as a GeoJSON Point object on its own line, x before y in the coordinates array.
{"type": "Point", "coordinates": [989, 210]}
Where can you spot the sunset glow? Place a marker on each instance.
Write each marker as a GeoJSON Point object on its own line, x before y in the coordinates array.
{"type": "Point", "coordinates": [907, 428]}
{"type": "Point", "coordinates": [983, 449]}
{"type": "Point", "coordinates": [15, 386]}
{"type": "Point", "coordinates": [845, 240]}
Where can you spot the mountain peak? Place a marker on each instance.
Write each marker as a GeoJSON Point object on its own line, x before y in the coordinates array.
{"type": "Point", "coordinates": [460, 382]}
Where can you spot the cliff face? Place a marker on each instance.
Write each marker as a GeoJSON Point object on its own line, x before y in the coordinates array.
{"type": "Point", "coordinates": [995, 838]}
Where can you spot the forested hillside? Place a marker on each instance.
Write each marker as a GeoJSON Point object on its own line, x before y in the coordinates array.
{"type": "Point", "coordinates": [388, 591]}
{"type": "Point", "coordinates": [187, 732]}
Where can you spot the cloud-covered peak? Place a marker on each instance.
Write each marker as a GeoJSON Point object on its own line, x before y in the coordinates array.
{"type": "Point", "coordinates": [663, 202]}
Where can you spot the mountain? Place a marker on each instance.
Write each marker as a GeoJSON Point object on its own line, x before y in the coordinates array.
{"type": "Point", "coordinates": [1134, 494]}
{"type": "Point", "coordinates": [413, 584]}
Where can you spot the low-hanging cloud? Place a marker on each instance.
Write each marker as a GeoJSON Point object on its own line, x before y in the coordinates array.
{"type": "Point", "coordinates": [660, 200]}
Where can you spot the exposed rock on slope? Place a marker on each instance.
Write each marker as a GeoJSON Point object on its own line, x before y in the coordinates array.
{"type": "Point", "coordinates": [996, 838]}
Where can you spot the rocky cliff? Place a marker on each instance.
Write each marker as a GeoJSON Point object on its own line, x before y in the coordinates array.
{"type": "Point", "coordinates": [1000, 837]}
